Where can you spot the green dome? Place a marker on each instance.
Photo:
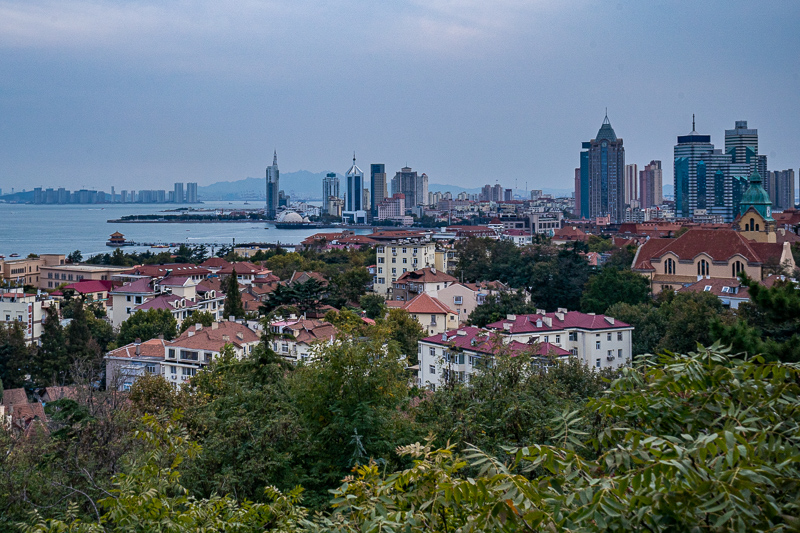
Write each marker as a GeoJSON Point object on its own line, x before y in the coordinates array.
{"type": "Point", "coordinates": [756, 197]}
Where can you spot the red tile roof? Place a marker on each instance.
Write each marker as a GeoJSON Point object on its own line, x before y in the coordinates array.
{"type": "Point", "coordinates": [214, 263]}
{"type": "Point", "coordinates": [424, 304]}
{"type": "Point", "coordinates": [14, 397]}
{"type": "Point", "coordinates": [570, 233]}
{"type": "Point", "coordinates": [719, 245]}
{"type": "Point", "coordinates": [426, 275]}
{"type": "Point", "coordinates": [89, 286]}
{"type": "Point", "coordinates": [150, 348]}
{"type": "Point", "coordinates": [174, 269]}
{"type": "Point", "coordinates": [163, 301]}
{"type": "Point", "coordinates": [571, 320]}
{"type": "Point", "coordinates": [479, 340]}
{"type": "Point", "coordinates": [209, 338]}
{"type": "Point", "coordinates": [139, 286]}
{"type": "Point", "coordinates": [732, 288]}
{"type": "Point", "coordinates": [244, 268]}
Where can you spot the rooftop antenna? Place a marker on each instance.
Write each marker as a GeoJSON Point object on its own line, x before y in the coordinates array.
{"type": "Point", "coordinates": [693, 128]}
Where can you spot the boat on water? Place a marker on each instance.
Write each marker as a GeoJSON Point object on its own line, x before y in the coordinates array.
{"type": "Point", "coordinates": [14, 255]}
{"type": "Point", "coordinates": [160, 246]}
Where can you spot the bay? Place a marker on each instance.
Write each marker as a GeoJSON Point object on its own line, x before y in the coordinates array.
{"type": "Point", "coordinates": [28, 228]}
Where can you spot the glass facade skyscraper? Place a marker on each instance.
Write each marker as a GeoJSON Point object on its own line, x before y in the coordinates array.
{"type": "Point", "coordinates": [603, 176]}
{"type": "Point", "coordinates": [273, 188]}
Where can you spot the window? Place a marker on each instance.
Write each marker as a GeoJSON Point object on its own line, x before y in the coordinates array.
{"type": "Point", "coordinates": [150, 367]}
{"type": "Point", "coordinates": [619, 353]}
{"type": "Point", "coordinates": [457, 300]}
{"type": "Point", "coordinates": [415, 250]}
{"type": "Point", "coordinates": [138, 300]}
{"type": "Point", "coordinates": [380, 270]}
{"type": "Point", "coordinates": [669, 266]}
{"type": "Point", "coordinates": [597, 345]}
{"type": "Point", "coordinates": [432, 369]}
{"type": "Point", "coordinates": [619, 335]}
{"type": "Point", "coordinates": [573, 335]}
{"type": "Point", "coordinates": [702, 268]}
{"type": "Point", "coordinates": [558, 339]}
{"type": "Point", "coordinates": [432, 352]}
{"type": "Point", "coordinates": [546, 338]}
{"type": "Point", "coordinates": [171, 353]}
{"type": "Point", "coordinates": [173, 370]}
{"type": "Point", "coordinates": [736, 268]}
{"type": "Point", "coordinates": [707, 288]}
{"type": "Point", "coordinates": [394, 260]}
{"type": "Point", "coordinates": [597, 363]}
{"type": "Point", "coordinates": [405, 260]}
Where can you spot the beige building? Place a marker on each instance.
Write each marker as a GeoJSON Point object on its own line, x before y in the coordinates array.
{"type": "Point", "coordinates": [52, 276]}
{"type": "Point", "coordinates": [28, 271]}
{"type": "Point", "coordinates": [670, 264]}
{"type": "Point", "coordinates": [434, 316]}
{"type": "Point", "coordinates": [463, 298]}
{"type": "Point", "coordinates": [426, 280]}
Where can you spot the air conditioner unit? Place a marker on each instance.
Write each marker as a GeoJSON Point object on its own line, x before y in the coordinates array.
{"type": "Point", "coordinates": [610, 358]}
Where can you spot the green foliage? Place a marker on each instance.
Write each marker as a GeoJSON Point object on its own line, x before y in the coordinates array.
{"type": "Point", "coordinates": [406, 332]}
{"type": "Point", "coordinates": [558, 280]}
{"type": "Point", "coordinates": [648, 323]}
{"type": "Point", "coordinates": [352, 284]}
{"type": "Point", "coordinates": [768, 324]}
{"type": "Point", "coordinates": [611, 286]}
{"type": "Point", "coordinates": [233, 298]}
{"type": "Point", "coordinates": [696, 442]}
{"type": "Point", "coordinates": [374, 305]}
{"type": "Point", "coordinates": [75, 257]}
{"type": "Point", "coordinates": [306, 296]}
{"type": "Point", "coordinates": [488, 259]}
{"type": "Point", "coordinates": [197, 317]}
{"type": "Point", "coordinates": [350, 385]}
{"type": "Point", "coordinates": [598, 243]}
{"type": "Point", "coordinates": [14, 355]}
{"type": "Point", "coordinates": [51, 361]}
{"type": "Point", "coordinates": [146, 325]}
{"type": "Point", "coordinates": [498, 306]}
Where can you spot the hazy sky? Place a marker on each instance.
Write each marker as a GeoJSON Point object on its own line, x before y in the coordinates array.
{"type": "Point", "coordinates": [139, 94]}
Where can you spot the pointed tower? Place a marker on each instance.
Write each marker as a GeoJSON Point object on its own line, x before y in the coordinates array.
{"type": "Point", "coordinates": [756, 222]}
{"type": "Point", "coordinates": [355, 188]}
{"type": "Point", "coordinates": [602, 175]}
{"type": "Point", "coordinates": [273, 178]}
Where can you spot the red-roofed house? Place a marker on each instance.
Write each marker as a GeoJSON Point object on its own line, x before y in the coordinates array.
{"type": "Point", "coordinates": [426, 280]}
{"type": "Point", "coordinates": [702, 253]}
{"type": "Point", "coordinates": [190, 270]}
{"type": "Point", "coordinates": [458, 354]}
{"type": "Point", "coordinates": [434, 316]}
{"type": "Point", "coordinates": [599, 341]}
{"type": "Point", "coordinates": [730, 291]}
{"type": "Point", "coordinates": [93, 290]}
{"type": "Point", "coordinates": [198, 346]}
{"type": "Point", "coordinates": [299, 336]}
{"type": "Point", "coordinates": [463, 298]}
{"type": "Point", "coordinates": [128, 363]}
{"type": "Point", "coordinates": [245, 271]}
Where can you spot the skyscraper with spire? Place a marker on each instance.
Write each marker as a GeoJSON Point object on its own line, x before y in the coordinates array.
{"type": "Point", "coordinates": [602, 175]}
{"type": "Point", "coordinates": [273, 177]}
{"type": "Point", "coordinates": [355, 188]}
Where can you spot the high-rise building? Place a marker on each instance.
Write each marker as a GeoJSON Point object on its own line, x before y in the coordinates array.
{"type": "Point", "coordinates": [355, 185]}
{"type": "Point", "coordinates": [708, 181]}
{"type": "Point", "coordinates": [178, 197]}
{"type": "Point", "coordinates": [784, 189]}
{"type": "Point", "coordinates": [330, 188]}
{"type": "Point", "coordinates": [602, 175]}
{"type": "Point", "coordinates": [650, 185]}
{"type": "Point", "coordinates": [413, 186]}
{"type": "Point", "coordinates": [577, 192]}
{"type": "Point", "coordinates": [741, 143]}
{"type": "Point", "coordinates": [191, 192]}
{"type": "Point", "coordinates": [377, 184]}
{"type": "Point", "coordinates": [273, 190]}
{"type": "Point", "coordinates": [631, 183]}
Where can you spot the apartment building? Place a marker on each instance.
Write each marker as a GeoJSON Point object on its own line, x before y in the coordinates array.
{"type": "Point", "coordinates": [25, 308]}
{"type": "Point", "coordinates": [28, 270]}
{"type": "Point", "coordinates": [598, 341]}
{"type": "Point", "coordinates": [398, 257]}
{"type": "Point", "coordinates": [296, 337]}
{"type": "Point", "coordinates": [54, 275]}
{"type": "Point", "coordinates": [460, 353]}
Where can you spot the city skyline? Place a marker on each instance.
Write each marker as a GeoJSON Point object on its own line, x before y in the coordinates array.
{"type": "Point", "coordinates": [144, 93]}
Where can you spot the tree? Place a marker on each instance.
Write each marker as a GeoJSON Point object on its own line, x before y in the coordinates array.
{"type": "Point", "coordinates": [687, 317]}
{"type": "Point", "coordinates": [406, 332]}
{"type": "Point", "coordinates": [233, 298]}
{"type": "Point", "coordinates": [374, 305]}
{"type": "Point", "coordinates": [14, 355]}
{"type": "Point", "coordinates": [75, 257]}
{"type": "Point", "coordinates": [78, 336]}
{"type": "Point", "coordinates": [768, 324]}
{"type": "Point", "coordinates": [146, 325]}
{"type": "Point", "coordinates": [352, 283]}
{"type": "Point", "coordinates": [497, 306]}
{"type": "Point", "coordinates": [611, 286]}
{"type": "Point", "coordinates": [51, 362]}
{"type": "Point", "coordinates": [559, 281]}
{"type": "Point", "coordinates": [648, 325]}
{"type": "Point", "coordinates": [197, 317]}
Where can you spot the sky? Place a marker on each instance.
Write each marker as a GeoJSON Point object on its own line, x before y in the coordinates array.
{"type": "Point", "coordinates": [140, 94]}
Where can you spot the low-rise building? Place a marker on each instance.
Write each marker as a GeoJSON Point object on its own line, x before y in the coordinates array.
{"type": "Point", "coordinates": [598, 341]}
{"type": "Point", "coordinates": [463, 298]}
{"type": "Point", "coordinates": [198, 346]}
{"type": "Point", "coordinates": [55, 275]}
{"type": "Point", "coordinates": [519, 237]}
{"type": "Point", "coordinates": [92, 291]}
{"type": "Point", "coordinates": [458, 354]}
{"type": "Point", "coordinates": [426, 280]}
{"type": "Point", "coordinates": [294, 339]}
{"type": "Point", "coordinates": [25, 308]}
{"type": "Point", "coordinates": [130, 362]}
{"type": "Point", "coordinates": [434, 316]}
{"type": "Point", "coordinates": [730, 291]}
{"type": "Point", "coordinates": [28, 270]}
